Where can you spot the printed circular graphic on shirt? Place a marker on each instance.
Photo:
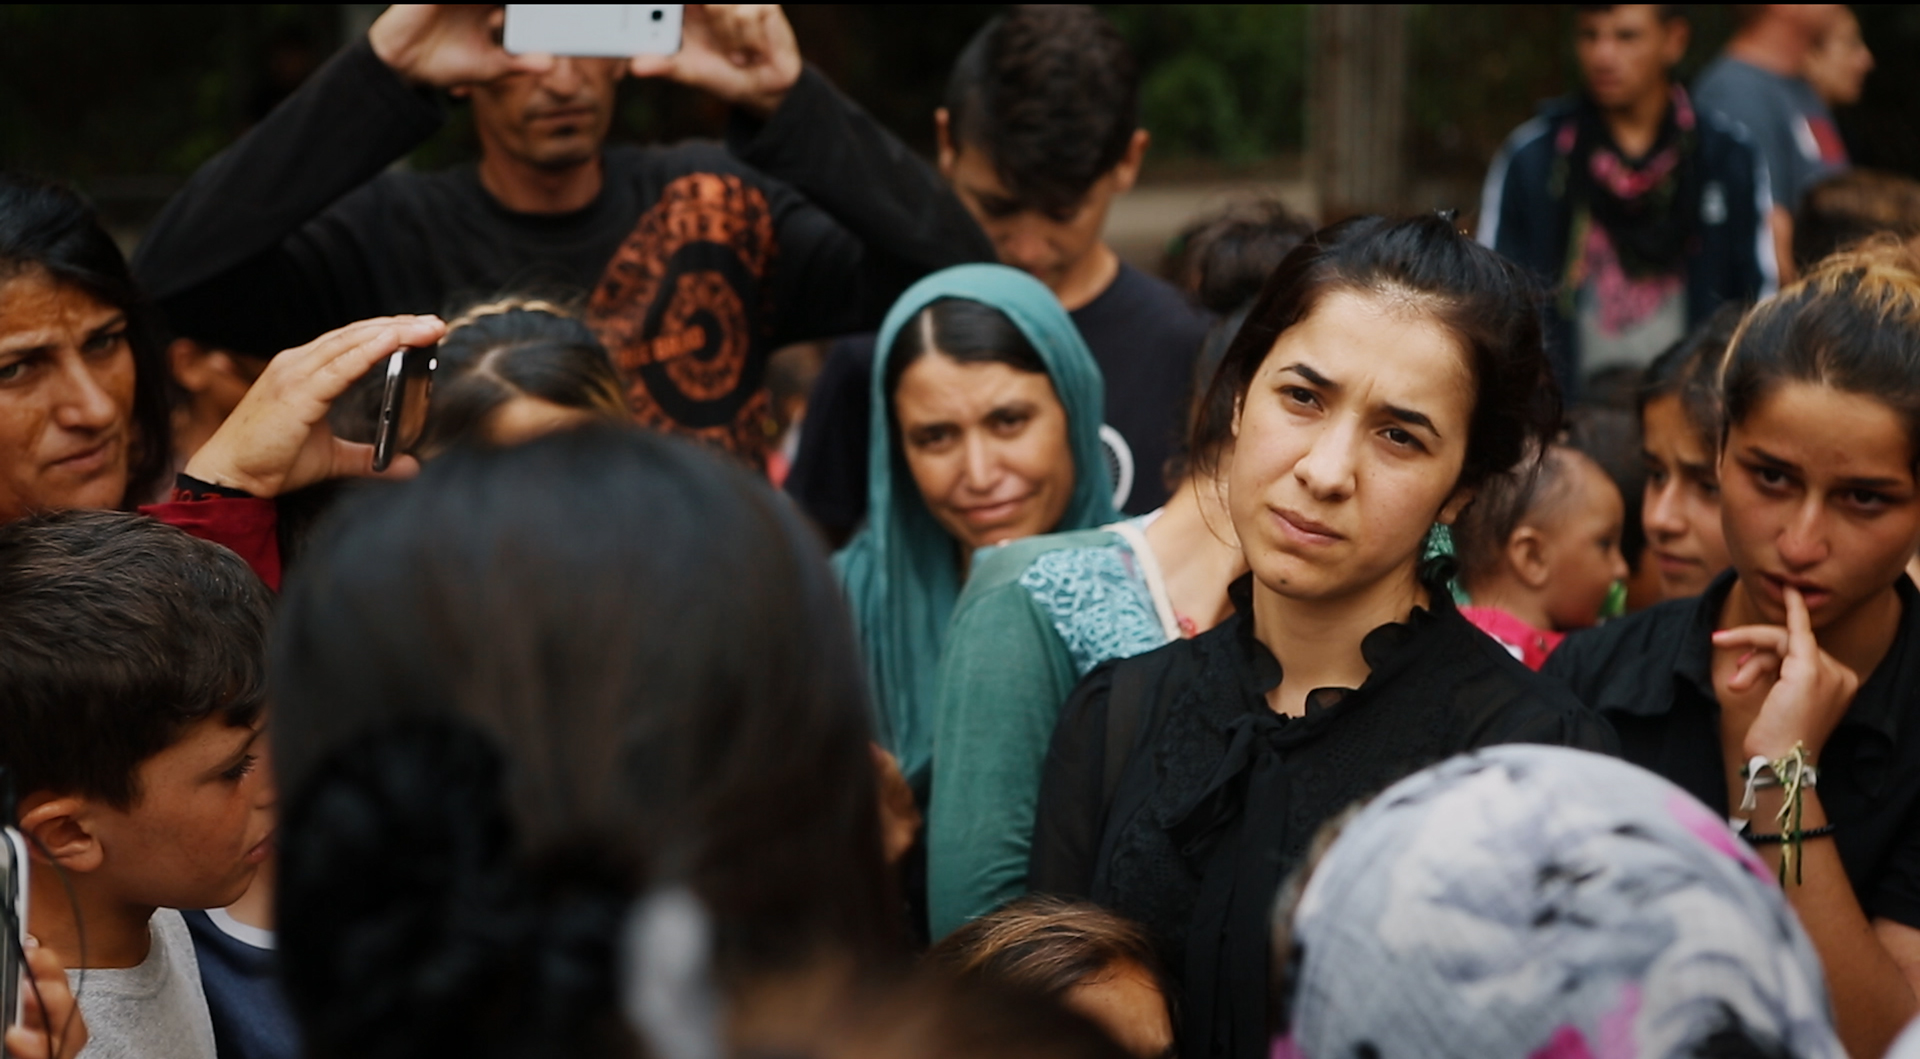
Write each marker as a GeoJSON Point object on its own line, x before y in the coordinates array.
{"type": "Point", "coordinates": [681, 308]}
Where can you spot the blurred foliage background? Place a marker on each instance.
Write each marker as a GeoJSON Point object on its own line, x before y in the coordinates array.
{"type": "Point", "coordinates": [126, 100]}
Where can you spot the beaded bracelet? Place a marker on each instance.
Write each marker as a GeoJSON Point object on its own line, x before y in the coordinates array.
{"type": "Point", "coordinates": [1799, 836]}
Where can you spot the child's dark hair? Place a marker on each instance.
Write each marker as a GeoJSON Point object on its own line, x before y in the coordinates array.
{"type": "Point", "coordinates": [1853, 325]}
{"type": "Point", "coordinates": [1690, 370]}
{"type": "Point", "coordinates": [1223, 258]}
{"type": "Point", "coordinates": [117, 633]}
{"type": "Point", "coordinates": [1051, 94]}
{"type": "Point", "coordinates": [518, 347]}
{"type": "Point", "coordinates": [1483, 300]}
{"type": "Point", "coordinates": [1481, 534]}
{"type": "Point", "coordinates": [1047, 944]}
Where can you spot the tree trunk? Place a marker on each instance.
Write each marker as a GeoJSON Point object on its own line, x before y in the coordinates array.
{"type": "Point", "coordinates": [1357, 108]}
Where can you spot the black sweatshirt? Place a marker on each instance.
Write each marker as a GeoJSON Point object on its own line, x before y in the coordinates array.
{"type": "Point", "coordinates": [698, 263]}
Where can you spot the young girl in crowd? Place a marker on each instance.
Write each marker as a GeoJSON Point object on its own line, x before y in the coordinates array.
{"type": "Point", "coordinates": [1539, 552]}
{"type": "Point", "coordinates": [1530, 902]}
{"type": "Point", "coordinates": [513, 370]}
{"type": "Point", "coordinates": [1679, 433]}
{"type": "Point", "coordinates": [986, 429]}
{"type": "Point", "coordinates": [1808, 651]}
{"type": "Point", "coordinates": [1387, 371]}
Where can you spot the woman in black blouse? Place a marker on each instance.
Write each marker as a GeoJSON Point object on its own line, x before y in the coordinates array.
{"type": "Point", "coordinates": [1814, 636]}
{"type": "Point", "coordinates": [1386, 371]}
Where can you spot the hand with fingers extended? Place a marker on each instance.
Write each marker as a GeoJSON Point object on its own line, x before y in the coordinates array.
{"type": "Point", "coordinates": [277, 439]}
{"type": "Point", "coordinates": [743, 53]}
{"type": "Point", "coordinates": [50, 1026]}
{"type": "Point", "coordinates": [1810, 689]}
{"type": "Point", "coordinates": [443, 45]}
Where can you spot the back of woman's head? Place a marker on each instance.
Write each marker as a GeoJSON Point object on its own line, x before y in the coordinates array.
{"type": "Point", "coordinates": [1852, 325]}
{"type": "Point", "coordinates": [516, 692]}
{"type": "Point", "coordinates": [500, 351]}
{"type": "Point", "coordinates": [1489, 305]}
{"type": "Point", "coordinates": [1492, 906]}
{"type": "Point", "coordinates": [49, 228]}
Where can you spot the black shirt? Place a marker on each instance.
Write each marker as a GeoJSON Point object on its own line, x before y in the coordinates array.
{"type": "Point", "coordinates": [693, 262]}
{"type": "Point", "coordinates": [1140, 330]}
{"type": "Point", "coordinates": [1651, 675]}
{"type": "Point", "coordinates": [1220, 795]}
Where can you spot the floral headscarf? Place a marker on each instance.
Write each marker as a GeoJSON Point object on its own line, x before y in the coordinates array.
{"type": "Point", "coordinates": [1534, 902]}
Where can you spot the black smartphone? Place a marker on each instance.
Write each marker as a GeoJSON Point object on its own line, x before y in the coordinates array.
{"type": "Point", "coordinates": [13, 892]}
{"type": "Point", "coordinates": [404, 398]}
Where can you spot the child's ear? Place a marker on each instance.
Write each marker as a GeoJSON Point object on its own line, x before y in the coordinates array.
{"type": "Point", "coordinates": [58, 828]}
{"type": "Point", "coordinates": [1527, 555]}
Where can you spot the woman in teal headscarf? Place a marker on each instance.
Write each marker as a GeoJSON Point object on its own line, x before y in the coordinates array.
{"type": "Point", "coordinates": [982, 433]}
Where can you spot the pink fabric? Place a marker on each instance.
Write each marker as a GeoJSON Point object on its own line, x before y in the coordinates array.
{"type": "Point", "coordinates": [1533, 644]}
{"type": "Point", "coordinates": [1715, 833]}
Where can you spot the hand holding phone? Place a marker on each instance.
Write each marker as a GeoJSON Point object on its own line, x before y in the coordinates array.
{"type": "Point", "coordinates": [404, 398]}
{"type": "Point", "coordinates": [13, 910]}
{"type": "Point", "coordinates": [278, 439]}
{"type": "Point", "coordinates": [745, 54]}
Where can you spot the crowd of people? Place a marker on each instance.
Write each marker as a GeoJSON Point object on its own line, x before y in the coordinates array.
{"type": "Point", "coordinates": [1370, 639]}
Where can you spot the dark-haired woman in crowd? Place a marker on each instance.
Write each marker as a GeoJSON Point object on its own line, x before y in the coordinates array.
{"type": "Point", "coordinates": [1035, 617]}
{"type": "Point", "coordinates": [1806, 653]}
{"type": "Point", "coordinates": [986, 429]}
{"type": "Point", "coordinates": [1679, 405]}
{"type": "Point", "coordinates": [84, 418]}
{"type": "Point", "coordinates": [505, 837]}
{"type": "Point", "coordinates": [1387, 370]}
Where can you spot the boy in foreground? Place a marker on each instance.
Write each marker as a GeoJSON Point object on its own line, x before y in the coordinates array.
{"type": "Point", "coordinates": [133, 658]}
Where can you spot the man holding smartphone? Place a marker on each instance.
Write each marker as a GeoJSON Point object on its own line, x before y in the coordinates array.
{"type": "Point", "coordinates": [696, 261]}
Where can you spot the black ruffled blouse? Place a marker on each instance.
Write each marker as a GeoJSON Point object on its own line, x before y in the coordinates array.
{"type": "Point", "coordinates": [1219, 795]}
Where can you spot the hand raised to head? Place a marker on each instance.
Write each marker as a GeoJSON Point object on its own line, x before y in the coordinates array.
{"type": "Point", "coordinates": [743, 53]}
{"type": "Point", "coordinates": [443, 45]}
{"type": "Point", "coordinates": [277, 439]}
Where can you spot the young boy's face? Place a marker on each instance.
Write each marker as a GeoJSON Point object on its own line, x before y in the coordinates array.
{"type": "Point", "coordinates": [199, 826]}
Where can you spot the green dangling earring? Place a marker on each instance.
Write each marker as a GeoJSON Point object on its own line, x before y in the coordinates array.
{"type": "Point", "coordinates": [1439, 545]}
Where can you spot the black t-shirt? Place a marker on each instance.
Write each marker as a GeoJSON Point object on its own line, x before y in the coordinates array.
{"type": "Point", "coordinates": [694, 262]}
{"type": "Point", "coordinates": [1220, 796]}
{"type": "Point", "coordinates": [1142, 332]}
{"type": "Point", "coordinates": [1651, 675]}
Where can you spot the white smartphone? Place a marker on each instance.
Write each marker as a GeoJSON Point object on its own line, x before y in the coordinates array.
{"type": "Point", "coordinates": [597, 30]}
{"type": "Point", "coordinates": [13, 891]}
